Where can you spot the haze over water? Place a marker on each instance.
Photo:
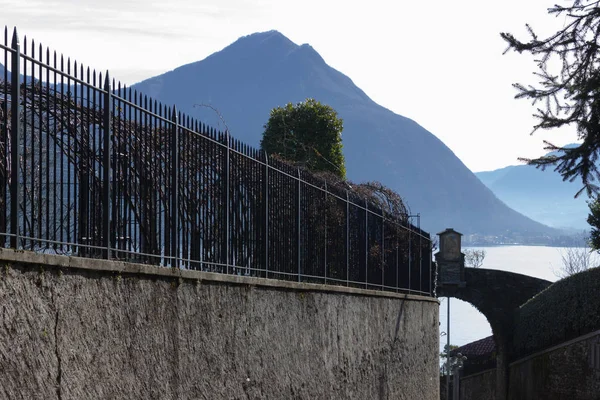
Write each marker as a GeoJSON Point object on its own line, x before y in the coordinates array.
{"type": "Point", "coordinates": [466, 323]}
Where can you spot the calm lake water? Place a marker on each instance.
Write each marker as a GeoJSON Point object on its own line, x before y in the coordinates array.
{"type": "Point", "coordinates": [466, 323]}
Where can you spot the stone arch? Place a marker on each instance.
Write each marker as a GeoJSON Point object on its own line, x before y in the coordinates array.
{"type": "Point", "coordinates": [497, 295]}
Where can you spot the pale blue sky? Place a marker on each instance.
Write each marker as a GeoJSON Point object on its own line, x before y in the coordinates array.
{"type": "Point", "coordinates": [437, 62]}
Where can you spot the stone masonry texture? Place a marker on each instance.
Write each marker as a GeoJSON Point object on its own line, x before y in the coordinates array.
{"type": "Point", "coordinates": [479, 386]}
{"type": "Point", "coordinates": [563, 373]}
{"type": "Point", "coordinates": [68, 333]}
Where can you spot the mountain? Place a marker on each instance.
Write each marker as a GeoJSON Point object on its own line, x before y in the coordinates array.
{"type": "Point", "coordinates": [489, 177]}
{"type": "Point", "coordinates": [247, 79]}
{"type": "Point", "coordinates": [2, 73]}
{"type": "Point", "coordinates": [541, 195]}
{"type": "Point", "coordinates": [8, 74]}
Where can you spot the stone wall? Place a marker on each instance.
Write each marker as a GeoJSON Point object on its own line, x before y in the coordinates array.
{"type": "Point", "coordinates": [565, 371]}
{"type": "Point", "coordinates": [479, 386]}
{"type": "Point", "coordinates": [88, 329]}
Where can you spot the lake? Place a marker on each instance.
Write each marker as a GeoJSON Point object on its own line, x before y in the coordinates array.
{"type": "Point", "coordinates": [466, 323]}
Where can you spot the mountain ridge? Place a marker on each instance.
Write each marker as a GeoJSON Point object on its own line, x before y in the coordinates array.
{"type": "Point", "coordinates": [540, 194]}
{"type": "Point", "coordinates": [257, 72]}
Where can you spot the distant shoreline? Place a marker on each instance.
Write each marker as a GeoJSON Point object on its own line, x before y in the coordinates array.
{"type": "Point", "coordinates": [520, 244]}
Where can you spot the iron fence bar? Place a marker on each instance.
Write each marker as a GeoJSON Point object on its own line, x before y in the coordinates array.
{"type": "Point", "coordinates": [410, 255]}
{"type": "Point", "coordinates": [61, 152]}
{"type": "Point", "coordinates": [430, 275]}
{"type": "Point", "coordinates": [366, 243]}
{"type": "Point", "coordinates": [325, 248]}
{"type": "Point", "coordinates": [106, 166]}
{"type": "Point", "coordinates": [4, 144]}
{"type": "Point", "coordinates": [15, 140]}
{"type": "Point", "coordinates": [298, 224]}
{"type": "Point", "coordinates": [383, 251]}
{"type": "Point", "coordinates": [174, 231]}
{"type": "Point", "coordinates": [347, 239]}
{"type": "Point", "coordinates": [397, 262]}
{"type": "Point", "coordinates": [23, 231]}
{"type": "Point", "coordinates": [420, 254]}
{"type": "Point", "coordinates": [72, 151]}
{"type": "Point", "coordinates": [266, 199]}
{"type": "Point", "coordinates": [227, 201]}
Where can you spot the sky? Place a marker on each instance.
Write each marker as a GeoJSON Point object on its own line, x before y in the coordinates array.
{"type": "Point", "coordinates": [439, 63]}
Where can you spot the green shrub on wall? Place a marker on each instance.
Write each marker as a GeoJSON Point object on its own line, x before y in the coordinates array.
{"type": "Point", "coordinates": [565, 310]}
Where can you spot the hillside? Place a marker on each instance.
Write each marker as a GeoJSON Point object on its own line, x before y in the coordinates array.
{"type": "Point", "coordinates": [257, 72]}
{"type": "Point", "coordinates": [541, 195]}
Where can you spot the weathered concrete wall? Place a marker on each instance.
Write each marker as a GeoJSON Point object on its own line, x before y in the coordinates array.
{"type": "Point", "coordinates": [103, 330]}
{"type": "Point", "coordinates": [564, 372]}
{"type": "Point", "coordinates": [479, 386]}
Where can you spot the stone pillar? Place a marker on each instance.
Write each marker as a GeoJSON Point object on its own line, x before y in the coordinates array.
{"type": "Point", "coordinates": [501, 367]}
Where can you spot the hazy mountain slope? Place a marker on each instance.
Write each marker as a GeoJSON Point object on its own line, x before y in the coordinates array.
{"type": "Point", "coordinates": [489, 177]}
{"type": "Point", "coordinates": [260, 71]}
{"type": "Point", "coordinates": [541, 195]}
{"type": "Point", "coordinates": [2, 69]}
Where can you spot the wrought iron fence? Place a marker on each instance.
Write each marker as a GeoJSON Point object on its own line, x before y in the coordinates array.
{"type": "Point", "coordinates": [94, 169]}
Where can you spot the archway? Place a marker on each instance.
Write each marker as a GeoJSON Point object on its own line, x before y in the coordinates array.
{"type": "Point", "coordinates": [497, 295]}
